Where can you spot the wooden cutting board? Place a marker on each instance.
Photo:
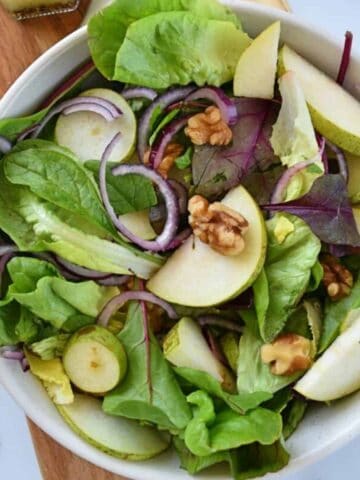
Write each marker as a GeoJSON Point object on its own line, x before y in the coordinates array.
{"type": "Point", "coordinates": [21, 44]}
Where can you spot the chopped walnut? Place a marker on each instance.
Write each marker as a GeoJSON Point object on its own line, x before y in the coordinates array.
{"type": "Point", "coordinates": [288, 354]}
{"type": "Point", "coordinates": [208, 127]}
{"type": "Point", "coordinates": [338, 280]}
{"type": "Point", "coordinates": [172, 152]}
{"type": "Point", "coordinates": [221, 227]}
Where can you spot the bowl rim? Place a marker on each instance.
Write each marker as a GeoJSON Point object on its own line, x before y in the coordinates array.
{"type": "Point", "coordinates": [48, 425]}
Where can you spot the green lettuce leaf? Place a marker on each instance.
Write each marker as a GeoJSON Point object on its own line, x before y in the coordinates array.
{"type": "Point", "coordinates": [207, 383]}
{"type": "Point", "coordinates": [292, 415]}
{"type": "Point", "coordinates": [51, 347]}
{"type": "Point", "coordinates": [149, 391]}
{"type": "Point", "coordinates": [108, 28]}
{"type": "Point", "coordinates": [287, 272]}
{"type": "Point", "coordinates": [209, 432]}
{"type": "Point", "coordinates": [179, 48]}
{"type": "Point", "coordinates": [9, 317]}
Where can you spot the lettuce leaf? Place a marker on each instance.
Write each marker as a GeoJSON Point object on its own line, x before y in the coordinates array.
{"type": "Point", "coordinates": [51, 347]}
{"type": "Point", "coordinates": [292, 415]}
{"type": "Point", "coordinates": [9, 316]}
{"type": "Point", "coordinates": [108, 28]}
{"type": "Point", "coordinates": [177, 48]}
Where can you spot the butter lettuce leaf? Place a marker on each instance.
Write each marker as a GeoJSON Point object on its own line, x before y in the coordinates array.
{"type": "Point", "coordinates": [177, 48]}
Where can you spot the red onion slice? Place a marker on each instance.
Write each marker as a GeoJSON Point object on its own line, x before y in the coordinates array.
{"type": "Point", "coordinates": [139, 92]}
{"type": "Point", "coordinates": [4, 249]}
{"type": "Point", "coordinates": [171, 202]}
{"type": "Point", "coordinates": [345, 59]}
{"type": "Point", "coordinates": [158, 149]}
{"type": "Point", "coordinates": [114, 280]}
{"type": "Point", "coordinates": [115, 303]}
{"type": "Point", "coordinates": [3, 262]}
{"type": "Point", "coordinates": [181, 193]}
{"type": "Point", "coordinates": [277, 196]}
{"type": "Point", "coordinates": [225, 104]}
{"type": "Point", "coordinates": [5, 145]}
{"type": "Point", "coordinates": [218, 321]}
{"type": "Point", "coordinates": [161, 102]}
{"type": "Point", "coordinates": [98, 105]}
{"type": "Point", "coordinates": [83, 272]}
{"type": "Point", "coordinates": [13, 355]}
{"type": "Point", "coordinates": [341, 160]}
{"type": "Point", "coordinates": [179, 239]}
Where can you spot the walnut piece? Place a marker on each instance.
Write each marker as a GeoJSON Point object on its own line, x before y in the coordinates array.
{"type": "Point", "coordinates": [288, 354]}
{"type": "Point", "coordinates": [217, 225]}
{"type": "Point", "coordinates": [338, 280]}
{"type": "Point", "coordinates": [172, 152]}
{"type": "Point", "coordinates": [208, 127]}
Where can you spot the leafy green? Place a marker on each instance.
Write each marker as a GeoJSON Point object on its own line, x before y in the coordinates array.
{"type": "Point", "coordinates": [209, 432]}
{"type": "Point", "coordinates": [12, 127]}
{"type": "Point", "coordinates": [149, 391]}
{"type": "Point", "coordinates": [239, 403]}
{"type": "Point", "coordinates": [336, 313]}
{"type": "Point", "coordinates": [253, 374]}
{"type": "Point", "coordinates": [51, 347]}
{"type": "Point", "coordinates": [178, 48]}
{"type": "Point", "coordinates": [292, 415]}
{"type": "Point", "coordinates": [127, 193]}
{"type": "Point", "coordinates": [28, 327]}
{"type": "Point", "coordinates": [256, 460]}
{"type": "Point", "coordinates": [317, 274]}
{"type": "Point", "coordinates": [229, 343]}
{"type": "Point", "coordinates": [165, 121]}
{"type": "Point", "coordinates": [286, 273]}
{"type": "Point", "coordinates": [9, 316]}
{"type": "Point", "coordinates": [184, 161]}
{"type": "Point", "coordinates": [108, 28]}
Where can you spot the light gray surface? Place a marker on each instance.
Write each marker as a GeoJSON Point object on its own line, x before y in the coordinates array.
{"type": "Point", "coordinates": [17, 459]}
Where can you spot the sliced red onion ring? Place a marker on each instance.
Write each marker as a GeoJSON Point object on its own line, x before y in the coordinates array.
{"type": "Point", "coordinates": [5, 145]}
{"type": "Point", "coordinates": [225, 104]}
{"type": "Point", "coordinates": [4, 249]}
{"type": "Point", "coordinates": [277, 196]}
{"type": "Point", "coordinates": [341, 160]}
{"type": "Point", "coordinates": [345, 59]}
{"type": "Point", "coordinates": [98, 105]}
{"type": "Point", "coordinates": [171, 202]}
{"type": "Point", "coordinates": [158, 149]}
{"type": "Point", "coordinates": [139, 92]}
{"type": "Point", "coordinates": [161, 102]}
{"type": "Point", "coordinates": [218, 321]}
{"type": "Point", "coordinates": [3, 262]}
{"type": "Point", "coordinates": [13, 355]}
{"type": "Point", "coordinates": [214, 346]}
{"type": "Point", "coordinates": [179, 239]}
{"type": "Point", "coordinates": [25, 133]}
{"type": "Point", "coordinates": [182, 195]}
{"type": "Point", "coordinates": [115, 303]}
{"type": "Point", "coordinates": [81, 271]}
{"type": "Point", "coordinates": [114, 280]}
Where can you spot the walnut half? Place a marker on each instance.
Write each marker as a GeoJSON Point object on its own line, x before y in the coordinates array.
{"type": "Point", "coordinates": [288, 354]}
{"type": "Point", "coordinates": [208, 127]}
{"type": "Point", "coordinates": [337, 279]}
{"type": "Point", "coordinates": [217, 225]}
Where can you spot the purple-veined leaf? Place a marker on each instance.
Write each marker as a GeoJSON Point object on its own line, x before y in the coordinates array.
{"type": "Point", "coordinates": [217, 169]}
{"type": "Point", "coordinates": [326, 209]}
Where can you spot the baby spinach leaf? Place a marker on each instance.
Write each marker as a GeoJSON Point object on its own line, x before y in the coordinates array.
{"type": "Point", "coordinates": [12, 127]}
{"type": "Point", "coordinates": [184, 161]}
{"type": "Point", "coordinates": [239, 403]}
{"type": "Point", "coordinates": [128, 193]}
{"type": "Point", "coordinates": [292, 415]}
{"type": "Point", "coordinates": [209, 432]}
{"type": "Point", "coordinates": [149, 391]}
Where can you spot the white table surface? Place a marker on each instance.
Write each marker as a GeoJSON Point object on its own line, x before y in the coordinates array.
{"type": "Point", "coordinates": [17, 458]}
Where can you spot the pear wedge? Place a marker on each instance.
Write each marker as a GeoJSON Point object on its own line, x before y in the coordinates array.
{"type": "Point", "coordinates": [198, 276]}
{"type": "Point", "coordinates": [115, 436]}
{"type": "Point", "coordinates": [334, 112]}
{"type": "Point", "coordinates": [255, 72]}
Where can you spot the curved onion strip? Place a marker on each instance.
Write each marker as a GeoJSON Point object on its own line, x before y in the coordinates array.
{"type": "Point", "coordinates": [161, 102]}
{"type": "Point", "coordinates": [3, 262]}
{"type": "Point", "coordinates": [225, 104]}
{"type": "Point", "coordinates": [182, 195]}
{"type": "Point", "coordinates": [345, 59]}
{"type": "Point", "coordinates": [277, 196]}
{"type": "Point", "coordinates": [218, 321]}
{"type": "Point", "coordinates": [92, 104]}
{"type": "Point", "coordinates": [114, 280]}
{"type": "Point", "coordinates": [158, 149]}
{"type": "Point", "coordinates": [5, 145]}
{"type": "Point", "coordinates": [179, 239]}
{"type": "Point", "coordinates": [13, 355]}
{"type": "Point", "coordinates": [171, 202]}
{"type": "Point", "coordinates": [81, 271]}
{"type": "Point", "coordinates": [341, 160]}
{"type": "Point", "coordinates": [4, 249]}
{"type": "Point", "coordinates": [139, 92]}
{"type": "Point", "coordinates": [25, 133]}
{"type": "Point", "coordinates": [115, 303]}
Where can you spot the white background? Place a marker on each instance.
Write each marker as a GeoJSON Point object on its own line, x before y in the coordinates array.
{"type": "Point", "coordinates": [17, 458]}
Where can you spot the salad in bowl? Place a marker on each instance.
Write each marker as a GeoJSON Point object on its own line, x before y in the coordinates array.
{"type": "Point", "coordinates": [179, 248]}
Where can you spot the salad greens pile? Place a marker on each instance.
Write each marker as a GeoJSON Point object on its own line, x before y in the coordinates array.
{"type": "Point", "coordinates": [150, 327]}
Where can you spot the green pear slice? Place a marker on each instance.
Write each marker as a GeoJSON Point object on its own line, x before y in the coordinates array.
{"type": "Point", "coordinates": [255, 72]}
{"type": "Point", "coordinates": [353, 164]}
{"type": "Point", "coordinates": [95, 360]}
{"type": "Point", "coordinates": [337, 372]}
{"type": "Point", "coordinates": [185, 346]}
{"type": "Point", "coordinates": [139, 224]}
{"type": "Point", "coordinates": [115, 436]}
{"type": "Point", "coordinates": [198, 276]}
{"type": "Point", "coordinates": [87, 134]}
{"type": "Point", "coordinates": [334, 112]}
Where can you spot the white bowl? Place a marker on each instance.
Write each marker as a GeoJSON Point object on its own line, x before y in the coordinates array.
{"type": "Point", "coordinates": [324, 428]}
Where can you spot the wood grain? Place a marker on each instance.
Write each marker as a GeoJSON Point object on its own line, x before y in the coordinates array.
{"type": "Point", "coordinates": [21, 44]}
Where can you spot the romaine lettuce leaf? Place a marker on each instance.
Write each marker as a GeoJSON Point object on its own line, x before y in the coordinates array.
{"type": "Point", "coordinates": [51, 347]}
{"type": "Point", "coordinates": [177, 48]}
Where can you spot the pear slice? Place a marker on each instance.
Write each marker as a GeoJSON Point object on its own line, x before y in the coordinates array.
{"type": "Point", "coordinates": [353, 164]}
{"type": "Point", "coordinates": [185, 346]}
{"type": "Point", "coordinates": [334, 112]}
{"type": "Point", "coordinates": [337, 372]}
{"type": "Point", "coordinates": [116, 436]}
{"type": "Point", "coordinates": [95, 360]}
{"type": "Point", "coordinates": [198, 276]}
{"type": "Point", "coordinates": [139, 224]}
{"type": "Point", "coordinates": [255, 72]}
{"type": "Point", "coordinates": [87, 134]}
